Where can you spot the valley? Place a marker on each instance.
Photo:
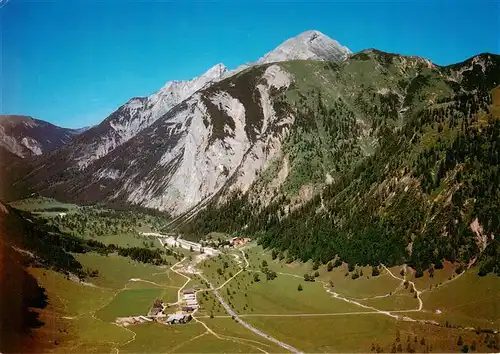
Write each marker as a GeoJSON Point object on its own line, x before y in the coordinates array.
{"type": "Point", "coordinates": [250, 300]}
{"type": "Point", "coordinates": [312, 200]}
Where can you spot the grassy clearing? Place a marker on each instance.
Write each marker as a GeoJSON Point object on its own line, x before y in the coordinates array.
{"type": "Point", "coordinates": [96, 336]}
{"type": "Point", "coordinates": [132, 302]}
{"type": "Point", "coordinates": [435, 339]}
{"type": "Point", "coordinates": [219, 269]}
{"type": "Point", "coordinates": [157, 338]}
{"type": "Point", "coordinates": [73, 298]}
{"type": "Point", "coordinates": [351, 333]}
{"type": "Point", "coordinates": [310, 75]}
{"type": "Point", "coordinates": [228, 327]}
{"type": "Point", "coordinates": [280, 296]}
{"type": "Point", "coordinates": [168, 295]}
{"type": "Point", "coordinates": [217, 236]}
{"type": "Point", "coordinates": [449, 318]}
{"type": "Point", "coordinates": [208, 343]}
{"type": "Point", "coordinates": [32, 204]}
{"type": "Point", "coordinates": [467, 300]}
{"type": "Point", "coordinates": [358, 333]}
{"type": "Point", "coordinates": [165, 276]}
{"type": "Point", "coordinates": [68, 317]}
{"type": "Point", "coordinates": [209, 305]}
{"type": "Point", "coordinates": [118, 238]}
{"type": "Point", "coordinates": [137, 285]}
{"type": "Point", "coordinates": [126, 238]}
{"type": "Point", "coordinates": [396, 302]}
{"type": "Point", "coordinates": [256, 254]}
{"type": "Point", "coordinates": [122, 239]}
{"type": "Point", "coordinates": [195, 282]}
{"type": "Point", "coordinates": [56, 327]}
{"type": "Point", "coordinates": [318, 334]}
{"type": "Point", "coordinates": [362, 287]}
{"type": "Point", "coordinates": [116, 271]}
{"type": "Point", "coordinates": [440, 276]}
{"type": "Point", "coordinates": [90, 222]}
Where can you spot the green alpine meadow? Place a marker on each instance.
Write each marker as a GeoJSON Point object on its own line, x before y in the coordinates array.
{"type": "Point", "coordinates": [330, 190]}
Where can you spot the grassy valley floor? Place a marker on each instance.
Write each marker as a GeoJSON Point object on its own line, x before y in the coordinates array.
{"type": "Point", "coordinates": [332, 312]}
{"type": "Point", "coordinates": [352, 316]}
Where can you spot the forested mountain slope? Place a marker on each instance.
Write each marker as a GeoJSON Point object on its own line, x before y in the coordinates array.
{"type": "Point", "coordinates": [391, 159]}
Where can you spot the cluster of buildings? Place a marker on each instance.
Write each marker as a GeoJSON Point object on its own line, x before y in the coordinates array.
{"type": "Point", "coordinates": [237, 241]}
{"type": "Point", "coordinates": [190, 303]}
{"type": "Point", "coordinates": [175, 318]}
{"type": "Point", "coordinates": [220, 243]}
{"type": "Point", "coordinates": [157, 308]}
{"type": "Point", "coordinates": [208, 247]}
{"type": "Point", "coordinates": [157, 314]}
{"type": "Point", "coordinates": [178, 317]}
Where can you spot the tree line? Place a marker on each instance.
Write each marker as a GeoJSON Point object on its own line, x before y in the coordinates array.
{"type": "Point", "coordinates": [379, 205]}
{"type": "Point", "coordinates": [52, 247]}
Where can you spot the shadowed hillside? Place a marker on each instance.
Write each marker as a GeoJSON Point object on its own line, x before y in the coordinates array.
{"type": "Point", "coordinates": [20, 295]}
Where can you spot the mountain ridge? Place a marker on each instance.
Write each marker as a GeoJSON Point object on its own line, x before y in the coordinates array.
{"type": "Point", "coordinates": [211, 103]}
{"type": "Point", "coordinates": [317, 158]}
{"type": "Point", "coordinates": [139, 113]}
{"type": "Point", "coordinates": [25, 136]}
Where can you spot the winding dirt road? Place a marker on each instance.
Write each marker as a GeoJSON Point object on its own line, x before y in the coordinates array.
{"type": "Point", "coordinates": [228, 309]}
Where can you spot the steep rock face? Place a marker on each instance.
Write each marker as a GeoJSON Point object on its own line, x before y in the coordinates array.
{"type": "Point", "coordinates": [182, 144]}
{"type": "Point", "coordinates": [274, 130]}
{"type": "Point", "coordinates": [137, 114]}
{"type": "Point", "coordinates": [221, 141]}
{"type": "Point", "coordinates": [25, 136]}
{"type": "Point", "coordinates": [228, 130]}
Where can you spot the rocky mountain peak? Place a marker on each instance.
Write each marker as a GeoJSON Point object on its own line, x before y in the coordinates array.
{"type": "Point", "coordinates": [215, 72]}
{"type": "Point", "coordinates": [180, 90]}
{"type": "Point", "coordinates": [311, 44]}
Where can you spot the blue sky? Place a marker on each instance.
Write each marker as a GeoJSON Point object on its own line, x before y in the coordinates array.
{"type": "Point", "coordinates": [74, 62]}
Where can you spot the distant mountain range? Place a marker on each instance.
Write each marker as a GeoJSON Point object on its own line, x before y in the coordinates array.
{"type": "Point", "coordinates": [309, 133]}
{"type": "Point", "coordinates": [25, 136]}
{"type": "Point", "coordinates": [172, 118]}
